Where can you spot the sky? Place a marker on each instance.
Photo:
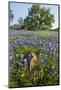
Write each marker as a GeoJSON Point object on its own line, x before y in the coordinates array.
{"type": "Point", "coordinates": [21, 10]}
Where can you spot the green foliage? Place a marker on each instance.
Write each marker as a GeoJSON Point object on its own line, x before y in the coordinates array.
{"type": "Point", "coordinates": [20, 23]}
{"type": "Point", "coordinates": [26, 50]}
{"type": "Point", "coordinates": [15, 27]}
{"type": "Point", "coordinates": [38, 18]}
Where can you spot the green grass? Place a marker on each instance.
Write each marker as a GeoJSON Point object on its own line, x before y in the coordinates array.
{"type": "Point", "coordinates": [42, 33]}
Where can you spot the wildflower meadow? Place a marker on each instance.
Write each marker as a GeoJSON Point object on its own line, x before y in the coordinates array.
{"type": "Point", "coordinates": [33, 46]}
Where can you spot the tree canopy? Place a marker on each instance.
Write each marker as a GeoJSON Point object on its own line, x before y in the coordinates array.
{"type": "Point", "coordinates": [20, 23]}
{"type": "Point", "coordinates": [39, 18]}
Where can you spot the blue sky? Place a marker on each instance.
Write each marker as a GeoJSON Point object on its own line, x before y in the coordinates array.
{"type": "Point", "coordinates": [21, 10]}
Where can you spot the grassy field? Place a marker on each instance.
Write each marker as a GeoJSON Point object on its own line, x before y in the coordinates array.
{"type": "Point", "coordinates": [42, 34]}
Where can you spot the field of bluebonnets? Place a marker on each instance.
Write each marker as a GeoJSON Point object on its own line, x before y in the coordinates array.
{"type": "Point", "coordinates": [22, 45]}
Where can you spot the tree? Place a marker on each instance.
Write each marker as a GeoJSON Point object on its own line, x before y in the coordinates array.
{"type": "Point", "coordinates": [38, 18]}
{"type": "Point", "coordinates": [11, 15]}
{"type": "Point", "coordinates": [20, 23]}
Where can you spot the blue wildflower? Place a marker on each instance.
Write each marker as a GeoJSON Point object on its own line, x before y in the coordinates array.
{"type": "Point", "coordinates": [25, 62]}
{"type": "Point", "coordinates": [46, 57]}
{"type": "Point", "coordinates": [10, 57]}
{"type": "Point", "coordinates": [17, 56]}
{"type": "Point", "coordinates": [43, 61]}
{"type": "Point", "coordinates": [22, 58]}
{"type": "Point", "coordinates": [43, 49]}
{"type": "Point", "coordinates": [51, 69]}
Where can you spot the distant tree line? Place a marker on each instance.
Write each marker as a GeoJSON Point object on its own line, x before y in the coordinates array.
{"type": "Point", "coordinates": [38, 18]}
{"type": "Point", "coordinates": [11, 15]}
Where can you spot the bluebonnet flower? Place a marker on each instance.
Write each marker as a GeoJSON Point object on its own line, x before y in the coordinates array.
{"type": "Point", "coordinates": [28, 43]}
{"type": "Point", "coordinates": [17, 56]}
{"type": "Point", "coordinates": [22, 58]}
{"type": "Point", "coordinates": [29, 56]}
{"type": "Point", "coordinates": [43, 49]}
{"type": "Point", "coordinates": [43, 61]}
{"type": "Point", "coordinates": [16, 37]}
{"type": "Point", "coordinates": [13, 46]}
{"type": "Point", "coordinates": [34, 43]}
{"type": "Point", "coordinates": [10, 57]}
{"type": "Point", "coordinates": [56, 46]}
{"type": "Point", "coordinates": [43, 44]}
{"type": "Point", "coordinates": [10, 68]}
{"type": "Point", "coordinates": [47, 49]}
{"type": "Point", "coordinates": [21, 40]}
{"type": "Point", "coordinates": [40, 56]}
{"type": "Point", "coordinates": [50, 44]}
{"type": "Point", "coordinates": [22, 44]}
{"type": "Point", "coordinates": [57, 56]}
{"type": "Point", "coordinates": [54, 52]}
{"type": "Point", "coordinates": [51, 69]}
{"type": "Point", "coordinates": [46, 57]}
{"type": "Point", "coordinates": [16, 43]}
{"type": "Point", "coordinates": [51, 50]}
{"type": "Point", "coordinates": [40, 41]}
{"type": "Point", "coordinates": [25, 62]}
{"type": "Point", "coordinates": [29, 33]}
